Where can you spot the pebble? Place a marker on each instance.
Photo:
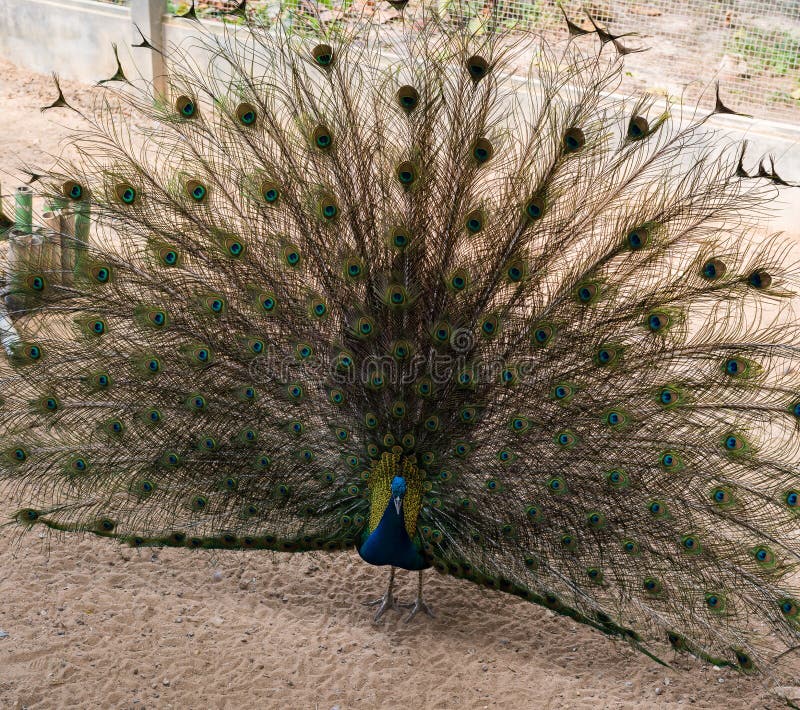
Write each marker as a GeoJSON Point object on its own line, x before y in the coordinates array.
{"type": "Point", "coordinates": [3, 634]}
{"type": "Point", "coordinates": [659, 691]}
{"type": "Point", "coordinates": [218, 575]}
{"type": "Point", "coordinates": [166, 682]}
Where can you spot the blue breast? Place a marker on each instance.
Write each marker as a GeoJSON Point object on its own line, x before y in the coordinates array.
{"type": "Point", "coordinates": [389, 543]}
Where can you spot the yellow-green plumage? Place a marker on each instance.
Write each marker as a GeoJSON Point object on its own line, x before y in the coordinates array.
{"type": "Point", "coordinates": [394, 463]}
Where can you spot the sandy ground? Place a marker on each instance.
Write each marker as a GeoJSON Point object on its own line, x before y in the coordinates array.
{"type": "Point", "coordinates": [87, 623]}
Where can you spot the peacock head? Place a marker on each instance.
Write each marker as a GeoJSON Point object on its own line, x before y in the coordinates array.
{"type": "Point", "coordinates": [398, 492]}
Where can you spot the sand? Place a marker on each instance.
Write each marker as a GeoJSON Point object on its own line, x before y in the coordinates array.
{"type": "Point", "coordinates": [92, 624]}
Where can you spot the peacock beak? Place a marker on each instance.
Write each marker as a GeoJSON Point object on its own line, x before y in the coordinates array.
{"type": "Point", "coordinates": [398, 502]}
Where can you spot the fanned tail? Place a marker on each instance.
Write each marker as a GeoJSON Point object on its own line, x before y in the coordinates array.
{"type": "Point", "coordinates": [551, 305]}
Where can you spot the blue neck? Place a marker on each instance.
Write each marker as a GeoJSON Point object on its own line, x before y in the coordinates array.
{"type": "Point", "coordinates": [389, 543]}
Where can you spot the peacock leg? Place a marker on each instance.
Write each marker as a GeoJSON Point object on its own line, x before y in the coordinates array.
{"type": "Point", "coordinates": [418, 604]}
{"type": "Point", "coordinates": [387, 601]}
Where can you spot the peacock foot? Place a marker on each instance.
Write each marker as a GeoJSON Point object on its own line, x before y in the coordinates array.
{"type": "Point", "coordinates": [384, 603]}
{"type": "Point", "coordinates": [416, 607]}
{"type": "Point", "coordinates": [387, 601]}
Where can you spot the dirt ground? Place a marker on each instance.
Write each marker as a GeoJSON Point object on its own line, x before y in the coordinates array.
{"type": "Point", "coordinates": [85, 623]}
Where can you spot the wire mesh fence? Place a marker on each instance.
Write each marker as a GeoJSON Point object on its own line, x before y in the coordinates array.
{"type": "Point", "coordinates": [751, 46]}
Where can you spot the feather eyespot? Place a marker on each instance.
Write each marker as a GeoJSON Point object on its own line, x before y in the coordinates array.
{"type": "Point", "coordinates": [482, 150]}
{"type": "Point", "coordinates": [691, 545]}
{"type": "Point", "coordinates": [169, 256]}
{"type": "Point", "coordinates": [733, 443]}
{"type": "Point", "coordinates": [196, 190]}
{"type": "Point", "coordinates": [534, 208]}
{"type": "Point", "coordinates": [715, 602]}
{"type": "Point", "coordinates": [760, 280]}
{"type": "Point", "coordinates": [543, 335]}
{"type": "Point", "coordinates": [36, 282]}
{"type": "Point", "coordinates": [509, 375]}
{"type": "Point", "coordinates": [292, 255]}
{"type": "Point", "coordinates": [72, 190]}
{"type": "Point", "coordinates": [270, 191]}
{"type": "Point", "coordinates": [18, 454]}
{"type": "Point", "coordinates": [458, 281]}
{"type": "Point", "coordinates": [764, 556]}
{"type": "Point", "coordinates": [246, 114]}
{"type": "Point", "coordinates": [125, 193]}
{"type": "Point", "coordinates": [477, 67]}
{"type": "Point", "coordinates": [722, 497]}
{"type": "Point", "coordinates": [329, 208]}
{"type": "Point", "coordinates": [658, 509]}
{"type": "Point", "coordinates": [637, 239]}
{"type": "Point", "coordinates": [322, 137]}
{"type": "Point", "coordinates": [790, 608]}
{"type": "Point", "coordinates": [736, 367]}
{"type": "Point", "coordinates": [396, 296]}
{"type": "Point", "coordinates": [638, 127]}
{"type": "Point", "coordinates": [474, 221]}
{"type": "Point", "coordinates": [424, 388]}
{"type": "Point", "coordinates": [186, 107]}
{"type": "Point", "coordinates": [490, 326]}
{"type": "Point", "coordinates": [566, 439]}
{"type": "Point", "coordinates": [652, 586]}
{"type": "Point", "coordinates": [595, 519]}
{"type": "Point", "coordinates": [399, 238]}
{"type": "Point", "coordinates": [658, 322]}
{"type": "Point", "coordinates": [615, 418]}
{"type": "Point", "coordinates": [408, 98]}
{"type": "Point", "coordinates": [516, 271]}
{"type": "Point", "coordinates": [587, 293]}
{"type": "Point", "coordinates": [617, 479]}
{"type": "Point", "coordinates": [713, 269]}
{"type": "Point", "coordinates": [573, 140]}
{"type": "Point", "coordinates": [234, 247]}
{"type": "Point", "coordinates": [157, 318]}
{"type": "Point", "coordinates": [323, 55]}
{"type": "Point", "coordinates": [631, 547]}
{"type": "Point", "coordinates": [406, 173]}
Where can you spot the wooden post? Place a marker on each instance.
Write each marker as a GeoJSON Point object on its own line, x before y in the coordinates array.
{"type": "Point", "coordinates": [146, 19]}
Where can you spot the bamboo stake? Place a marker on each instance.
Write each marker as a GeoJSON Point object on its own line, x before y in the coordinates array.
{"type": "Point", "coordinates": [24, 249]}
{"type": "Point", "coordinates": [23, 210]}
{"type": "Point", "coordinates": [50, 262]}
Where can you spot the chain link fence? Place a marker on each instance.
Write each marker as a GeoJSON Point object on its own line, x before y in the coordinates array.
{"type": "Point", "coordinates": [752, 47]}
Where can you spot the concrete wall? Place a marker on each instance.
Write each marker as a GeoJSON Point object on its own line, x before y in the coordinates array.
{"type": "Point", "coordinates": [71, 37]}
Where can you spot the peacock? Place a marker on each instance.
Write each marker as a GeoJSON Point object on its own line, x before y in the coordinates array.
{"type": "Point", "coordinates": [353, 285]}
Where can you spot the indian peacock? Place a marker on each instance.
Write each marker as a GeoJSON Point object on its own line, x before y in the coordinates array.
{"type": "Point", "coordinates": [361, 287]}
